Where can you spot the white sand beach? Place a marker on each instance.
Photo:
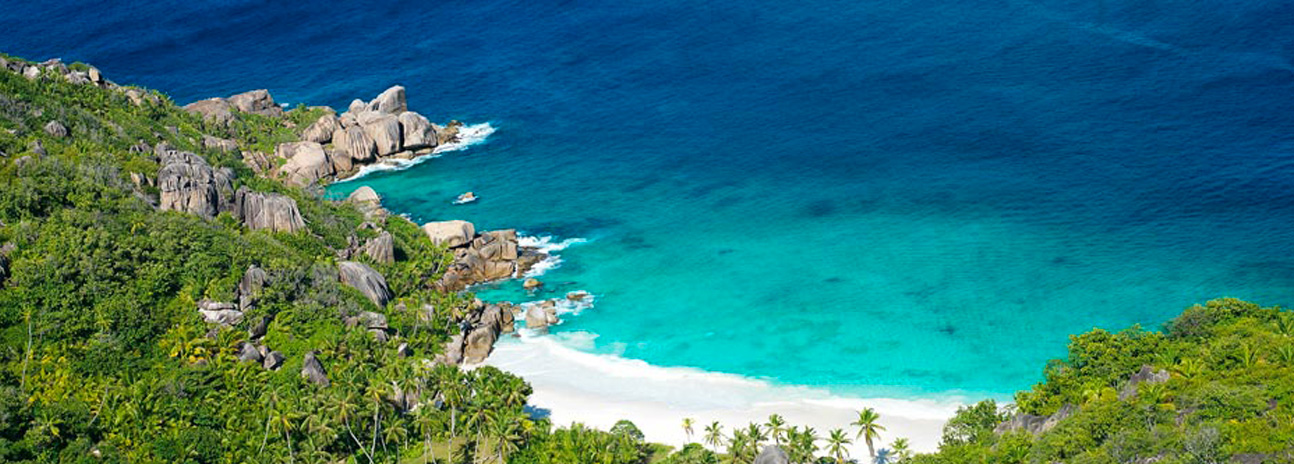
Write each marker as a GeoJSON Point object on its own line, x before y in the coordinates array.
{"type": "Point", "coordinates": [598, 390]}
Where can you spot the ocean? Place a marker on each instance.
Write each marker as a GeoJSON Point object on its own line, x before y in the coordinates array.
{"type": "Point", "coordinates": [906, 199]}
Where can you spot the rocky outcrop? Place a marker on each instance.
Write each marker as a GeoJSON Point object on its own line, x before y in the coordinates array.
{"type": "Point", "coordinates": [417, 131]}
{"type": "Point", "coordinates": [275, 359]}
{"type": "Point", "coordinates": [478, 332]}
{"type": "Point", "coordinates": [217, 143]}
{"type": "Point", "coordinates": [225, 314]}
{"type": "Point", "coordinates": [541, 315]}
{"type": "Point", "coordinates": [321, 130]}
{"type": "Point", "coordinates": [772, 455]}
{"type": "Point", "coordinates": [306, 163]}
{"type": "Point", "coordinates": [384, 130]}
{"type": "Point", "coordinates": [314, 371]}
{"type": "Point", "coordinates": [258, 162]}
{"type": "Point", "coordinates": [188, 184]}
{"type": "Point", "coordinates": [380, 249]}
{"type": "Point", "coordinates": [256, 102]}
{"type": "Point", "coordinates": [390, 101]}
{"type": "Point", "coordinates": [1035, 424]}
{"type": "Point", "coordinates": [213, 110]}
{"type": "Point", "coordinates": [449, 233]}
{"type": "Point", "coordinates": [250, 287]}
{"type": "Point", "coordinates": [366, 280]}
{"type": "Point", "coordinates": [488, 256]}
{"type": "Point", "coordinates": [269, 211]}
{"type": "Point", "coordinates": [354, 145]}
{"type": "Point", "coordinates": [249, 353]}
{"type": "Point", "coordinates": [1147, 375]}
{"type": "Point", "coordinates": [56, 129]}
{"type": "Point", "coordinates": [368, 202]}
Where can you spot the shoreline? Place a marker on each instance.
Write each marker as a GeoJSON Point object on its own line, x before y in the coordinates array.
{"type": "Point", "coordinates": [598, 390]}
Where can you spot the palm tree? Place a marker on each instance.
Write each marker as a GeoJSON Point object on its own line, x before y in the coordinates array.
{"type": "Point", "coordinates": [714, 435]}
{"type": "Point", "coordinates": [902, 452]}
{"type": "Point", "coordinates": [738, 445]}
{"type": "Point", "coordinates": [757, 435]}
{"type": "Point", "coordinates": [836, 442]}
{"type": "Point", "coordinates": [687, 428]}
{"type": "Point", "coordinates": [776, 428]}
{"type": "Point", "coordinates": [868, 429]}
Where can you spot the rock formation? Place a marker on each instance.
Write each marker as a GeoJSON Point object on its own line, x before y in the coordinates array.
{"type": "Point", "coordinates": [368, 202]}
{"type": "Point", "coordinates": [313, 371]}
{"type": "Point", "coordinates": [366, 280]}
{"type": "Point", "coordinates": [321, 130]}
{"type": "Point", "coordinates": [1147, 375]}
{"type": "Point", "coordinates": [541, 315]}
{"type": "Point", "coordinates": [449, 233]}
{"type": "Point", "coordinates": [1035, 424]}
{"type": "Point", "coordinates": [772, 455]}
{"type": "Point", "coordinates": [275, 359]}
{"type": "Point", "coordinates": [56, 129]}
{"type": "Point", "coordinates": [256, 102]}
{"type": "Point", "coordinates": [212, 110]}
{"type": "Point", "coordinates": [306, 164]}
{"type": "Point", "coordinates": [249, 353]}
{"type": "Point", "coordinates": [188, 184]}
{"type": "Point", "coordinates": [215, 312]}
{"type": "Point", "coordinates": [380, 248]}
{"type": "Point", "coordinates": [479, 330]}
{"type": "Point", "coordinates": [250, 286]}
{"type": "Point", "coordinates": [270, 211]}
{"type": "Point", "coordinates": [217, 143]}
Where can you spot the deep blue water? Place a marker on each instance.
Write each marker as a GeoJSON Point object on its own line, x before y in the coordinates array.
{"type": "Point", "coordinates": [900, 196]}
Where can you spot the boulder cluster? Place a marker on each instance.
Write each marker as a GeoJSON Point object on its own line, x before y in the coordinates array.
{"type": "Point", "coordinates": [337, 146]}
{"type": "Point", "coordinates": [478, 332]}
{"type": "Point", "coordinates": [186, 183]}
{"type": "Point", "coordinates": [76, 74]}
{"type": "Point", "coordinates": [480, 257]}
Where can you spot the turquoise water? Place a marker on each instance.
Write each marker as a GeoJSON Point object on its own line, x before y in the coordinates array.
{"type": "Point", "coordinates": [912, 198]}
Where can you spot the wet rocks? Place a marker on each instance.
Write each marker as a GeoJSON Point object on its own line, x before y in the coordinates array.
{"type": "Point", "coordinates": [366, 280]}
{"type": "Point", "coordinates": [532, 283]}
{"type": "Point", "coordinates": [188, 184]}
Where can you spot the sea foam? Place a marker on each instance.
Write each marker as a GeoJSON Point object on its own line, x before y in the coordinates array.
{"type": "Point", "coordinates": [468, 136]}
{"type": "Point", "coordinates": [547, 245]}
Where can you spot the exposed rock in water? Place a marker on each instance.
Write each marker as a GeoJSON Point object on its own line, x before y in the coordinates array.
{"type": "Point", "coordinates": [256, 102]}
{"type": "Point", "coordinates": [380, 248]}
{"type": "Point", "coordinates": [213, 110]}
{"type": "Point", "coordinates": [249, 353]}
{"type": "Point", "coordinates": [772, 455]}
{"type": "Point", "coordinates": [541, 315]}
{"type": "Point", "coordinates": [449, 233]}
{"type": "Point", "coordinates": [312, 370]}
{"type": "Point", "coordinates": [366, 280]}
{"type": "Point", "coordinates": [1035, 424]}
{"type": "Point", "coordinates": [577, 295]}
{"type": "Point", "coordinates": [532, 283]}
{"type": "Point", "coordinates": [307, 163]}
{"type": "Point", "coordinates": [56, 129]}
{"type": "Point", "coordinates": [268, 211]}
{"type": "Point", "coordinates": [384, 129]}
{"type": "Point", "coordinates": [417, 131]}
{"type": "Point", "coordinates": [274, 360]}
{"type": "Point", "coordinates": [250, 286]}
{"type": "Point", "coordinates": [321, 130]}
{"type": "Point", "coordinates": [1146, 375]}
{"type": "Point", "coordinates": [188, 184]}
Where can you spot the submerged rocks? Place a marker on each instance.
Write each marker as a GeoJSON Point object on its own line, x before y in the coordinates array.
{"type": "Point", "coordinates": [366, 280]}
{"type": "Point", "coordinates": [188, 184]}
{"type": "Point", "coordinates": [449, 233]}
{"type": "Point", "coordinates": [307, 163]}
{"type": "Point", "coordinates": [269, 211]}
